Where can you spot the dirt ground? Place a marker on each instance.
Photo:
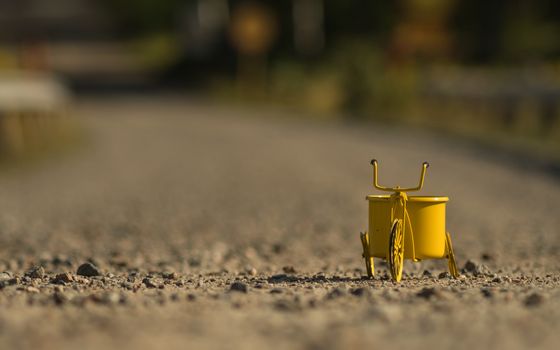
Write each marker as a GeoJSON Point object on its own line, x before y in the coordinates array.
{"type": "Point", "coordinates": [215, 227]}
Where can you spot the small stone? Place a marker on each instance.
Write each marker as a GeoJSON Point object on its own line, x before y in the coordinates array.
{"type": "Point", "coordinates": [486, 257]}
{"type": "Point", "coordinates": [476, 269]}
{"type": "Point", "coordinates": [191, 297]}
{"type": "Point", "coordinates": [148, 282]}
{"type": "Point", "coordinates": [287, 305]}
{"type": "Point", "coordinates": [276, 291]}
{"type": "Point", "coordinates": [497, 279]}
{"type": "Point", "coordinates": [487, 293]}
{"type": "Point", "coordinates": [170, 275]}
{"type": "Point", "coordinates": [113, 298]}
{"type": "Point", "coordinates": [470, 266]}
{"type": "Point", "coordinates": [88, 269]}
{"type": "Point", "coordinates": [278, 248]}
{"type": "Point", "coordinates": [444, 275]}
{"type": "Point", "coordinates": [360, 292]}
{"type": "Point", "coordinates": [427, 293]}
{"type": "Point", "coordinates": [5, 276]}
{"type": "Point", "coordinates": [107, 298]}
{"type": "Point", "coordinates": [60, 298]}
{"type": "Point", "coordinates": [426, 273]}
{"type": "Point", "coordinates": [289, 269]}
{"type": "Point", "coordinates": [128, 285]}
{"type": "Point", "coordinates": [336, 293]}
{"type": "Point", "coordinates": [281, 278]}
{"type": "Point", "coordinates": [63, 278]}
{"type": "Point", "coordinates": [252, 271]}
{"type": "Point", "coordinates": [35, 272]}
{"type": "Point", "coordinates": [238, 287]}
{"type": "Point", "coordinates": [61, 260]}
{"type": "Point", "coordinates": [533, 300]}
{"type": "Point", "coordinates": [31, 289]}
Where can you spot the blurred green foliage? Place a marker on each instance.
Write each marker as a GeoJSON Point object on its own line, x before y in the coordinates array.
{"type": "Point", "coordinates": [472, 65]}
{"type": "Point", "coordinates": [140, 17]}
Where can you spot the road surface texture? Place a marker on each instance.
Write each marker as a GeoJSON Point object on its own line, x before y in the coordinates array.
{"type": "Point", "coordinates": [182, 225]}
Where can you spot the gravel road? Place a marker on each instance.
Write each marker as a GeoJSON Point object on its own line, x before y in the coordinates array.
{"type": "Point", "coordinates": [183, 225]}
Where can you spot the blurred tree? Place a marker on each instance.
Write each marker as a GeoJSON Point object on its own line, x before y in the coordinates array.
{"type": "Point", "coordinates": [146, 16]}
{"type": "Point", "coordinates": [510, 31]}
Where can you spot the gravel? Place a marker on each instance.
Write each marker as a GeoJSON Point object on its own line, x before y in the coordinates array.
{"type": "Point", "coordinates": [35, 272]}
{"type": "Point", "coordinates": [238, 287]}
{"type": "Point", "coordinates": [197, 199]}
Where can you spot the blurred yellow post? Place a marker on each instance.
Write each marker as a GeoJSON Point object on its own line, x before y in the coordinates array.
{"type": "Point", "coordinates": [253, 31]}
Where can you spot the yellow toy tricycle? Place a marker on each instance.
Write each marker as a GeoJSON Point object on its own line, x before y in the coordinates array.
{"type": "Point", "coordinates": [406, 227]}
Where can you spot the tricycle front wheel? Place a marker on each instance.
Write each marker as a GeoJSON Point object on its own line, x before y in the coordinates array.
{"type": "Point", "coordinates": [396, 250]}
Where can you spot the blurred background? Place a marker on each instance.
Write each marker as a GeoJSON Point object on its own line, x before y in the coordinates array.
{"type": "Point", "coordinates": [489, 71]}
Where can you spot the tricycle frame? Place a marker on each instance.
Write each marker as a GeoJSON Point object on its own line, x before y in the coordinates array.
{"type": "Point", "coordinates": [399, 224]}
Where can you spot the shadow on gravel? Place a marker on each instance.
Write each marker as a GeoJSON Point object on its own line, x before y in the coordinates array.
{"type": "Point", "coordinates": [283, 278]}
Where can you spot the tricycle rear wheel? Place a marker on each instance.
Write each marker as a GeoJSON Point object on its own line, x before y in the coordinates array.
{"type": "Point", "coordinates": [369, 259]}
{"type": "Point", "coordinates": [451, 257]}
{"type": "Point", "coordinates": [396, 250]}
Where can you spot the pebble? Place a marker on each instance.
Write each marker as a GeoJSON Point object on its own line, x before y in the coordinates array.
{"type": "Point", "coordinates": [444, 275]}
{"type": "Point", "coordinates": [475, 268]}
{"type": "Point", "coordinates": [35, 272]}
{"type": "Point", "coordinates": [170, 275]}
{"type": "Point", "coordinates": [533, 300]}
{"type": "Point", "coordinates": [336, 293]}
{"type": "Point", "coordinates": [426, 273]}
{"type": "Point", "coordinates": [360, 292]}
{"type": "Point", "coordinates": [61, 260]}
{"type": "Point", "coordinates": [470, 266]}
{"type": "Point", "coordinates": [487, 293]}
{"type": "Point", "coordinates": [5, 276]}
{"type": "Point", "coordinates": [287, 305]}
{"type": "Point", "coordinates": [88, 269]}
{"type": "Point", "coordinates": [7, 280]}
{"type": "Point", "coordinates": [60, 298]}
{"type": "Point", "coordinates": [486, 257]}
{"type": "Point", "coordinates": [106, 298]}
{"type": "Point", "coordinates": [276, 291]}
{"type": "Point", "coordinates": [63, 278]}
{"type": "Point", "coordinates": [148, 282]}
{"type": "Point", "coordinates": [238, 287]}
{"type": "Point", "coordinates": [281, 278]}
{"type": "Point", "coordinates": [427, 293]}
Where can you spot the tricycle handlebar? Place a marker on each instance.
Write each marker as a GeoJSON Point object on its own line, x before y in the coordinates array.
{"type": "Point", "coordinates": [425, 166]}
